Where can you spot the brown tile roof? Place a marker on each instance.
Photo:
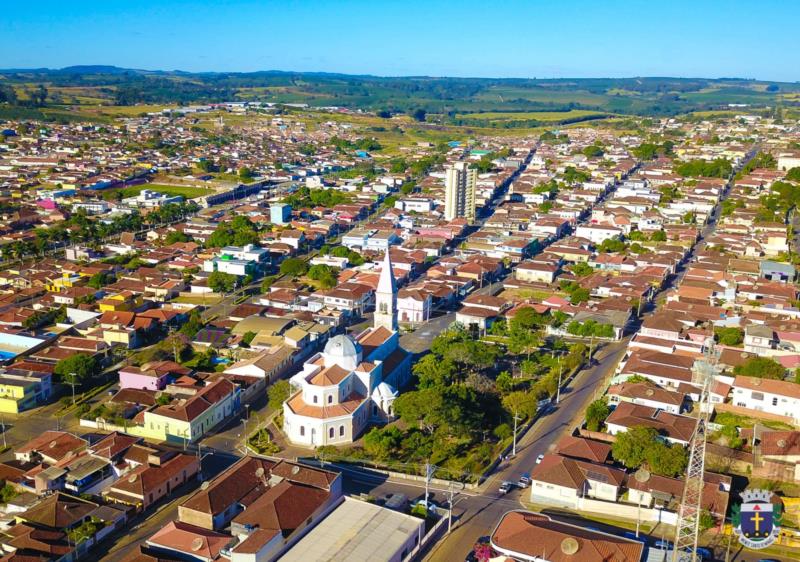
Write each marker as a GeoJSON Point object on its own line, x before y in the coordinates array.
{"type": "Point", "coordinates": [580, 448]}
{"type": "Point", "coordinates": [330, 376]}
{"type": "Point", "coordinates": [53, 444]}
{"type": "Point", "coordinates": [348, 406]}
{"type": "Point", "coordinates": [144, 479]}
{"type": "Point", "coordinates": [59, 511]}
{"type": "Point", "coordinates": [780, 443]}
{"type": "Point", "coordinates": [537, 535]}
{"type": "Point", "coordinates": [573, 473]}
{"type": "Point", "coordinates": [771, 386]}
{"type": "Point", "coordinates": [670, 425]}
{"type": "Point", "coordinates": [283, 507]}
{"type": "Point", "coordinates": [191, 540]}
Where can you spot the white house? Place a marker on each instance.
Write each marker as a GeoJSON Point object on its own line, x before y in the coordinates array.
{"type": "Point", "coordinates": [414, 306]}
{"type": "Point", "coordinates": [597, 233]}
{"type": "Point", "coordinates": [767, 395]}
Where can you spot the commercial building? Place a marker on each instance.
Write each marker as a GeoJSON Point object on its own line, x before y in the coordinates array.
{"type": "Point", "coordinates": [360, 531]}
{"type": "Point", "coordinates": [459, 193]}
{"type": "Point", "coordinates": [280, 213]}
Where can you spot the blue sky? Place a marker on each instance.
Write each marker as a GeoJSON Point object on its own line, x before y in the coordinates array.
{"type": "Point", "coordinates": [557, 38]}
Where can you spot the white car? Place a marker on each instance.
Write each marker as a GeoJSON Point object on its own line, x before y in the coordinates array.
{"type": "Point", "coordinates": [539, 459]}
{"type": "Point", "coordinates": [429, 506]}
{"type": "Point", "coordinates": [505, 488]}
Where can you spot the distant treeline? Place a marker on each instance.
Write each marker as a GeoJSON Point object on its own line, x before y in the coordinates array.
{"type": "Point", "coordinates": [643, 96]}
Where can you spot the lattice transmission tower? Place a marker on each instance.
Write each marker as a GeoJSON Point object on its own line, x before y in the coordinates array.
{"type": "Point", "coordinates": [688, 526]}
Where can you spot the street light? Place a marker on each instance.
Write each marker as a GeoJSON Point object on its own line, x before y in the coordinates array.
{"type": "Point", "coordinates": [72, 384]}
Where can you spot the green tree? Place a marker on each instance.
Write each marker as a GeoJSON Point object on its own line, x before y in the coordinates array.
{"type": "Point", "coordinates": [432, 371]}
{"type": "Point", "coordinates": [596, 414]}
{"type": "Point", "coordinates": [630, 447]}
{"type": "Point", "coordinates": [177, 236]}
{"type": "Point", "coordinates": [98, 280]}
{"type": "Point", "coordinates": [418, 114]}
{"type": "Point", "coordinates": [729, 336]}
{"type": "Point", "coordinates": [278, 393]}
{"type": "Point", "coordinates": [81, 366]}
{"type": "Point", "coordinates": [658, 236]}
{"type": "Point", "coordinates": [666, 460]}
{"type": "Point", "coordinates": [294, 267]}
{"type": "Point", "coordinates": [221, 282]}
{"type": "Point", "coordinates": [760, 367]}
{"type": "Point", "coordinates": [245, 173]}
{"type": "Point", "coordinates": [192, 325]}
{"type": "Point", "coordinates": [247, 339]}
{"type": "Point", "coordinates": [582, 269]}
{"type": "Point", "coordinates": [521, 402]}
{"type": "Point", "coordinates": [382, 443]}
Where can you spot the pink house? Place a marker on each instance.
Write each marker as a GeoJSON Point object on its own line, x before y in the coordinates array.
{"type": "Point", "coordinates": [151, 376]}
{"type": "Point", "coordinates": [48, 204]}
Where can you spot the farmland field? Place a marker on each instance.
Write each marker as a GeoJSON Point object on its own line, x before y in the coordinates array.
{"type": "Point", "coordinates": [537, 115]}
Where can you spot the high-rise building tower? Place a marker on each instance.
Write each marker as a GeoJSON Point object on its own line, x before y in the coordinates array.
{"type": "Point", "coordinates": [459, 191]}
{"type": "Point", "coordinates": [386, 297]}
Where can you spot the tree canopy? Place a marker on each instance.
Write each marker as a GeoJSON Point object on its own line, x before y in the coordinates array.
{"type": "Point", "coordinates": [760, 367]}
{"type": "Point", "coordinates": [84, 367]}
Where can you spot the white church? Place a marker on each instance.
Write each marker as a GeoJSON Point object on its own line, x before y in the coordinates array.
{"type": "Point", "coordinates": [354, 381]}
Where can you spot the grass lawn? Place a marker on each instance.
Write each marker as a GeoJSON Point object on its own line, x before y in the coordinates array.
{"type": "Point", "coordinates": [187, 192]}
{"type": "Point", "coordinates": [726, 418]}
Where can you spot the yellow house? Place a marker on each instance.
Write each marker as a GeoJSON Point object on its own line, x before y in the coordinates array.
{"type": "Point", "coordinates": [123, 301]}
{"type": "Point", "coordinates": [190, 419]}
{"type": "Point", "coordinates": [17, 395]}
{"type": "Point", "coordinates": [67, 279]}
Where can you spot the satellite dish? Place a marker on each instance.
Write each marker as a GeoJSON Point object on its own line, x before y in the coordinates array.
{"type": "Point", "coordinates": [204, 485]}
{"type": "Point", "coordinates": [53, 444]}
{"type": "Point", "coordinates": [295, 469]}
{"type": "Point", "coordinates": [197, 544]}
{"type": "Point", "coordinates": [650, 392]}
{"type": "Point", "coordinates": [781, 443]}
{"type": "Point", "coordinates": [570, 546]}
{"type": "Point", "coordinates": [132, 478]}
{"type": "Point", "coordinates": [642, 475]}
{"type": "Point", "coordinates": [260, 472]}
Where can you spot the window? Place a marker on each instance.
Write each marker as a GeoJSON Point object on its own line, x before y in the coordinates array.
{"type": "Point", "coordinates": [330, 433]}
{"type": "Point", "coordinates": [341, 431]}
{"type": "Point", "coordinates": [775, 401]}
{"type": "Point", "coordinates": [315, 399]}
{"type": "Point", "coordinates": [302, 430]}
{"type": "Point", "coordinates": [330, 399]}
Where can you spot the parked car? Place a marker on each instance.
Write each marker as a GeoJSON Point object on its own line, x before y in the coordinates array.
{"type": "Point", "coordinates": [524, 480]}
{"type": "Point", "coordinates": [505, 487]}
{"type": "Point", "coordinates": [398, 502]}
{"type": "Point", "coordinates": [539, 458]}
{"type": "Point", "coordinates": [430, 506]}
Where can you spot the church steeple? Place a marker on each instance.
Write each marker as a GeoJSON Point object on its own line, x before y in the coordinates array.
{"type": "Point", "coordinates": [386, 297]}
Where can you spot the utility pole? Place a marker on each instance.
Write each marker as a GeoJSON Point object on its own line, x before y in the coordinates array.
{"type": "Point", "coordinates": [451, 493]}
{"type": "Point", "coordinates": [429, 470]}
{"type": "Point", "coordinates": [514, 446]}
{"type": "Point", "coordinates": [558, 390]}
{"type": "Point", "coordinates": [3, 422]}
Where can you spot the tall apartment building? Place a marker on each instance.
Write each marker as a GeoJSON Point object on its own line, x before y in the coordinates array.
{"type": "Point", "coordinates": [459, 192]}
